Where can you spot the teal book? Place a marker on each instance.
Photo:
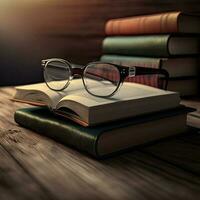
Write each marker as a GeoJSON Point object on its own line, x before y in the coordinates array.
{"type": "Point", "coordinates": [152, 45]}
{"type": "Point", "coordinates": [107, 138]}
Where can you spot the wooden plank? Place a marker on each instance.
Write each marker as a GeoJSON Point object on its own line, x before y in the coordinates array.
{"type": "Point", "coordinates": [7, 108]}
{"type": "Point", "coordinates": [65, 172]}
{"type": "Point", "coordinates": [153, 172]}
{"type": "Point", "coordinates": [182, 151]}
{"type": "Point", "coordinates": [15, 183]}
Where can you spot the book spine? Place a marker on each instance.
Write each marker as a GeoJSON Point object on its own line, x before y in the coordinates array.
{"type": "Point", "coordinates": [56, 130]}
{"type": "Point", "coordinates": [149, 24]}
{"type": "Point", "coordinates": [151, 45]}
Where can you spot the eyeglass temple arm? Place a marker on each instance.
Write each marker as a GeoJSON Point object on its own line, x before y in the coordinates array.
{"type": "Point", "coordinates": [43, 62]}
{"type": "Point", "coordinates": [149, 71]}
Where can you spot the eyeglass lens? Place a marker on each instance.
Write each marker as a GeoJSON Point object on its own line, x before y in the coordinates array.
{"type": "Point", "coordinates": [57, 74]}
{"type": "Point", "coordinates": [101, 79]}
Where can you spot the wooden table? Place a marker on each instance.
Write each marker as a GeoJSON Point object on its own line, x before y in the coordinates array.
{"type": "Point", "coordinates": [35, 167]}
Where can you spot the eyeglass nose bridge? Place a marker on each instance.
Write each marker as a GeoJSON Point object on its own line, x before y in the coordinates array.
{"type": "Point", "coordinates": [77, 71]}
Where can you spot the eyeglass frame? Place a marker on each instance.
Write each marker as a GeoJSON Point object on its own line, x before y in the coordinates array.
{"type": "Point", "coordinates": [124, 72]}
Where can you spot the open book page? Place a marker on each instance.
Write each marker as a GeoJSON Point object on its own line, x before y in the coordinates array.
{"type": "Point", "coordinates": [131, 100]}
{"type": "Point", "coordinates": [128, 91]}
{"type": "Point", "coordinates": [76, 92]}
{"type": "Point", "coordinates": [40, 93]}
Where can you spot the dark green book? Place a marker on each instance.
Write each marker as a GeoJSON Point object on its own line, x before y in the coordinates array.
{"type": "Point", "coordinates": [107, 138]}
{"type": "Point", "coordinates": [152, 45]}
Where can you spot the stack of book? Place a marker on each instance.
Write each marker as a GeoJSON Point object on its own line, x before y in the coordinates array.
{"type": "Point", "coordinates": [135, 115]}
{"type": "Point", "coordinates": [168, 40]}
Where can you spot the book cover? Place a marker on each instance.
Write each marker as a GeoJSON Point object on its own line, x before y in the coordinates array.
{"type": "Point", "coordinates": [106, 138]}
{"type": "Point", "coordinates": [152, 45]}
{"type": "Point", "coordinates": [170, 22]}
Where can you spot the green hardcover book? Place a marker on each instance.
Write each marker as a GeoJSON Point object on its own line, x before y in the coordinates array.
{"type": "Point", "coordinates": [152, 45]}
{"type": "Point", "coordinates": [106, 138]}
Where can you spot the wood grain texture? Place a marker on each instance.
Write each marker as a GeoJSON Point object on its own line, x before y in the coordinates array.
{"type": "Point", "coordinates": [27, 28]}
{"type": "Point", "coordinates": [67, 173]}
{"type": "Point", "coordinates": [168, 169]}
{"type": "Point", "coordinates": [15, 182]}
{"type": "Point", "coordinates": [172, 152]}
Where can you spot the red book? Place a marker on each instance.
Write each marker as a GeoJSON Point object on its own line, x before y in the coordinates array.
{"type": "Point", "coordinates": [171, 22]}
{"type": "Point", "coordinates": [150, 80]}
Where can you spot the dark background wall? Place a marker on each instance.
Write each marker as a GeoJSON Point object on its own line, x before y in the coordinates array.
{"type": "Point", "coordinates": [70, 29]}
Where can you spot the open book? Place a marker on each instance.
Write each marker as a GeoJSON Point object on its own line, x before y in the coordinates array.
{"type": "Point", "coordinates": [77, 104]}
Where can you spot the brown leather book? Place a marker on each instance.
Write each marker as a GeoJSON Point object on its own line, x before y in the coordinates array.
{"type": "Point", "coordinates": [170, 22]}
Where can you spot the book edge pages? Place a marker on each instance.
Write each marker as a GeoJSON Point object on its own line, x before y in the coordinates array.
{"type": "Point", "coordinates": [23, 96]}
{"type": "Point", "coordinates": [96, 111]}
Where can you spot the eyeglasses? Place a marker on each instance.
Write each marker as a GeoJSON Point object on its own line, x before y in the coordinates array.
{"type": "Point", "coordinates": [100, 79]}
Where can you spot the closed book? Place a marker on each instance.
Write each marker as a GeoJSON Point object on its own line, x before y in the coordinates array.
{"type": "Point", "coordinates": [152, 45]}
{"type": "Point", "coordinates": [170, 22]}
{"type": "Point", "coordinates": [106, 138]}
{"type": "Point", "coordinates": [177, 66]}
{"type": "Point", "coordinates": [185, 82]}
{"type": "Point", "coordinates": [149, 80]}
{"type": "Point", "coordinates": [187, 86]}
